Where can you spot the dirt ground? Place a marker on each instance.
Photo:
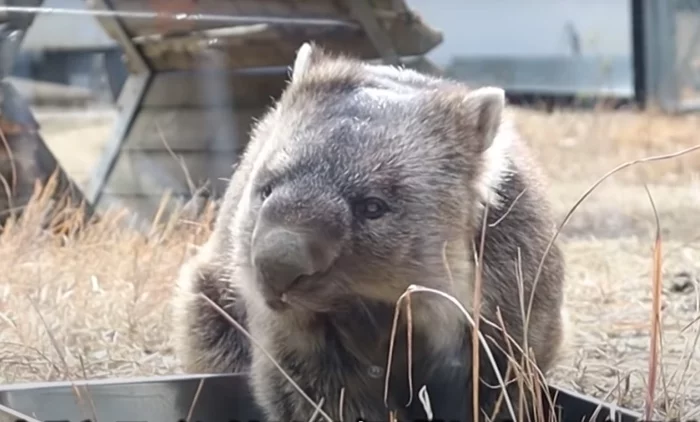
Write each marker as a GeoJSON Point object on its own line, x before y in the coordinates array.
{"type": "Point", "coordinates": [104, 297]}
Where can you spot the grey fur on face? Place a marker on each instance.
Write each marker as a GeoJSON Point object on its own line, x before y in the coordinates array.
{"type": "Point", "coordinates": [362, 181]}
{"type": "Point", "coordinates": [344, 143]}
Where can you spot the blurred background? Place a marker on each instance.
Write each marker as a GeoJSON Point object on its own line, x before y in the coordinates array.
{"type": "Point", "coordinates": [113, 82]}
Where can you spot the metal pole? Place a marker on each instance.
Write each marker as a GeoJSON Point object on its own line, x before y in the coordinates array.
{"type": "Point", "coordinates": [242, 20]}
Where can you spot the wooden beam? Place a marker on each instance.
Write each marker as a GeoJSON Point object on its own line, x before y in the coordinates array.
{"type": "Point", "coordinates": [222, 129]}
{"type": "Point", "coordinates": [153, 172]}
{"type": "Point", "coordinates": [364, 13]}
{"type": "Point", "coordinates": [240, 88]}
{"type": "Point", "coordinates": [244, 88]}
{"type": "Point", "coordinates": [277, 46]}
{"type": "Point", "coordinates": [273, 44]}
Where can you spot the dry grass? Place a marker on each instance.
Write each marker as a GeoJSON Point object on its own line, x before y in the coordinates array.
{"type": "Point", "coordinates": [104, 293]}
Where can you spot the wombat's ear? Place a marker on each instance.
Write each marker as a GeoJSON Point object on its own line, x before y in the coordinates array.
{"type": "Point", "coordinates": [307, 55]}
{"type": "Point", "coordinates": [484, 107]}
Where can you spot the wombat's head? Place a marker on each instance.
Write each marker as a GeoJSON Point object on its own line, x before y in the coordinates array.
{"type": "Point", "coordinates": [362, 174]}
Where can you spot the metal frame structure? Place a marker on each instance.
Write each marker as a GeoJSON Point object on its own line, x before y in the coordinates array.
{"type": "Point", "coordinates": [216, 398]}
{"type": "Point", "coordinates": [639, 54]}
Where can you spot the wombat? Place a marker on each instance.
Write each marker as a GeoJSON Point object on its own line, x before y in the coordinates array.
{"type": "Point", "coordinates": [359, 182]}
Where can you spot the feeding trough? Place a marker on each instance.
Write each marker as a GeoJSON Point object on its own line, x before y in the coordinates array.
{"type": "Point", "coordinates": [202, 398]}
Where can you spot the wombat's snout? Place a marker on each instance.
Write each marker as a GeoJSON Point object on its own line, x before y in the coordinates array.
{"type": "Point", "coordinates": [282, 254]}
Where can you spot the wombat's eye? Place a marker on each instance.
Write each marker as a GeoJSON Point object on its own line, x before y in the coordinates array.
{"type": "Point", "coordinates": [371, 208]}
{"type": "Point", "coordinates": [265, 191]}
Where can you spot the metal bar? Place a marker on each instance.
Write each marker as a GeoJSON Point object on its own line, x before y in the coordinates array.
{"type": "Point", "coordinates": [368, 19]}
{"type": "Point", "coordinates": [239, 71]}
{"type": "Point", "coordinates": [243, 20]}
{"type": "Point", "coordinates": [129, 103]}
{"type": "Point", "coordinates": [639, 11]}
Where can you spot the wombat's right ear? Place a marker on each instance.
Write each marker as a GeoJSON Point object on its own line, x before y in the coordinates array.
{"type": "Point", "coordinates": [307, 55]}
{"type": "Point", "coordinates": [484, 108]}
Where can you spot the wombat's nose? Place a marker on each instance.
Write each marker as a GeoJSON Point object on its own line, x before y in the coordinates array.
{"type": "Point", "coordinates": [281, 255]}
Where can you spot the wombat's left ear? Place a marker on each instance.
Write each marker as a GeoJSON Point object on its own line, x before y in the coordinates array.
{"type": "Point", "coordinates": [307, 55]}
{"type": "Point", "coordinates": [484, 107]}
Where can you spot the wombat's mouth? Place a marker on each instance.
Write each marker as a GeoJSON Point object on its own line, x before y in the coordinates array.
{"type": "Point", "coordinates": [282, 300]}
{"type": "Point", "coordinates": [305, 293]}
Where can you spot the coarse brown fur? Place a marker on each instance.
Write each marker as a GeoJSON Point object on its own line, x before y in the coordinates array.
{"type": "Point", "coordinates": [341, 132]}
